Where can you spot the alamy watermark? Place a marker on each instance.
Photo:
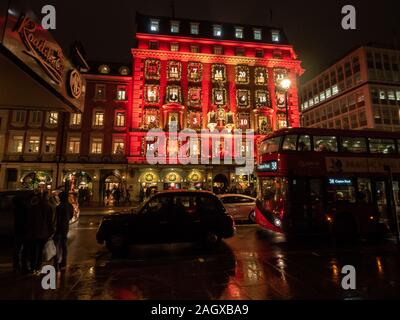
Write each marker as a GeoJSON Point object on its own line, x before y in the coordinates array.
{"type": "Point", "coordinates": [189, 147]}
{"type": "Point", "coordinates": [349, 20]}
{"type": "Point", "coordinates": [49, 280]}
{"type": "Point", "coordinates": [349, 280]}
{"type": "Point", "coordinates": [49, 19]}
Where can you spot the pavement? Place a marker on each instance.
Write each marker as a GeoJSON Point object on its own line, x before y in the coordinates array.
{"type": "Point", "coordinates": [253, 265]}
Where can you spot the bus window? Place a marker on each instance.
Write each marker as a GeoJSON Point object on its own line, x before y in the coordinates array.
{"type": "Point", "coordinates": [304, 143]}
{"type": "Point", "coordinates": [341, 191]}
{"type": "Point", "coordinates": [273, 193]}
{"type": "Point", "coordinates": [270, 145]}
{"type": "Point", "coordinates": [385, 146]}
{"type": "Point", "coordinates": [289, 143]}
{"type": "Point", "coordinates": [364, 190]}
{"type": "Point", "coordinates": [325, 143]}
{"type": "Point", "coordinates": [381, 199]}
{"type": "Point", "coordinates": [356, 145]}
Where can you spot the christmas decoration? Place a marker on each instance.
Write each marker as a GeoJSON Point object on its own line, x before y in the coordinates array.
{"type": "Point", "coordinates": [151, 94]}
{"type": "Point", "coordinates": [218, 73]}
{"type": "Point", "coordinates": [174, 71]}
{"type": "Point", "coordinates": [194, 97]}
{"type": "Point", "coordinates": [243, 98]}
{"type": "Point", "coordinates": [151, 119]}
{"type": "Point", "coordinates": [219, 96]}
{"type": "Point", "coordinates": [279, 75]}
{"type": "Point", "coordinates": [260, 76]}
{"type": "Point", "coordinates": [243, 121]}
{"type": "Point", "coordinates": [173, 94]}
{"type": "Point", "coordinates": [195, 71]}
{"type": "Point", "coordinates": [152, 69]}
{"type": "Point", "coordinates": [194, 120]}
{"type": "Point", "coordinates": [242, 74]}
{"type": "Point", "coordinates": [262, 99]}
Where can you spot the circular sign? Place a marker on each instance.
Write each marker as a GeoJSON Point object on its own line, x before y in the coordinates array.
{"type": "Point", "coordinates": [75, 84]}
{"type": "Point", "coordinates": [172, 177]}
{"type": "Point", "coordinates": [149, 177]}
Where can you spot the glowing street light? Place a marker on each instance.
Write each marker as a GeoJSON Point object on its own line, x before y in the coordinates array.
{"type": "Point", "coordinates": [285, 85]}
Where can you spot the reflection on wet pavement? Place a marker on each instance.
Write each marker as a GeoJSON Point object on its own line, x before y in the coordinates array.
{"type": "Point", "coordinates": [252, 265]}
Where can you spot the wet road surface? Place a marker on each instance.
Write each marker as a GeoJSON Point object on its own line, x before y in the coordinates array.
{"type": "Point", "coordinates": [252, 265]}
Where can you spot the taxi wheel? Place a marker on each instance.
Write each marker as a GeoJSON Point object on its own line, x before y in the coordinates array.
{"type": "Point", "coordinates": [117, 245]}
{"type": "Point", "coordinates": [211, 239]}
{"type": "Point", "coordinates": [252, 216]}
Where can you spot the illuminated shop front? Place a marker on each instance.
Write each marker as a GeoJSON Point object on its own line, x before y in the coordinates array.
{"type": "Point", "coordinates": [78, 179]}
{"type": "Point", "coordinates": [34, 180]}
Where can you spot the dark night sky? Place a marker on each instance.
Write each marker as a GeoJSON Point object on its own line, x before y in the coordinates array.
{"type": "Point", "coordinates": [313, 27]}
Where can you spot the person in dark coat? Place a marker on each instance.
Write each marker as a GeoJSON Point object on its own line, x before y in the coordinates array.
{"type": "Point", "coordinates": [116, 195]}
{"type": "Point", "coordinates": [64, 213]}
{"type": "Point", "coordinates": [20, 259]}
{"type": "Point", "coordinates": [39, 229]}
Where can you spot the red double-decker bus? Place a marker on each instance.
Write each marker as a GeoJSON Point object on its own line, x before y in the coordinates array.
{"type": "Point", "coordinates": [324, 181]}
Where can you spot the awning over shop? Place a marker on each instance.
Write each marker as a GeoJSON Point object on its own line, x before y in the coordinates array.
{"type": "Point", "coordinates": [34, 71]}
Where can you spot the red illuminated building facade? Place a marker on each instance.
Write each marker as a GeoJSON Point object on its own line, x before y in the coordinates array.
{"type": "Point", "coordinates": [207, 75]}
{"type": "Point", "coordinates": [185, 74]}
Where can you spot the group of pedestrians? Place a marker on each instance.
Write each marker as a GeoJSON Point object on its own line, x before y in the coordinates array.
{"type": "Point", "coordinates": [115, 195]}
{"type": "Point", "coordinates": [39, 218]}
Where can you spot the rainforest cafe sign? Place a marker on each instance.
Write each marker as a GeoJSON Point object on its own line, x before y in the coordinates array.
{"type": "Point", "coordinates": [49, 58]}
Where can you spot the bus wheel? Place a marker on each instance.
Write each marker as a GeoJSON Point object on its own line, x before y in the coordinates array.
{"type": "Point", "coordinates": [345, 226]}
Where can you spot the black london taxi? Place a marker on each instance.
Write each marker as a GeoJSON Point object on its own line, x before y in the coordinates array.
{"type": "Point", "coordinates": [169, 217]}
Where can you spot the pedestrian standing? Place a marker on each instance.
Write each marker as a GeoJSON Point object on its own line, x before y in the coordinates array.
{"type": "Point", "coordinates": [64, 214]}
{"type": "Point", "coordinates": [40, 228]}
{"type": "Point", "coordinates": [20, 262]}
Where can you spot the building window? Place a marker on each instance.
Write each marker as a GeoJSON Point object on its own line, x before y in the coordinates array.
{"type": "Point", "coordinates": [174, 46]}
{"type": "Point", "coordinates": [194, 48]}
{"type": "Point", "coordinates": [96, 146]}
{"type": "Point", "coordinates": [153, 45]}
{"type": "Point", "coordinates": [98, 120]}
{"type": "Point", "coordinates": [100, 92]}
{"type": "Point", "coordinates": [16, 143]}
{"type": "Point", "coordinates": [35, 117]}
{"type": "Point", "coordinates": [259, 53]}
{"type": "Point", "coordinates": [174, 26]}
{"type": "Point", "coordinates": [238, 32]}
{"type": "Point", "coordinates": [74, 144]}
{"type": "Point", "coordinates": [50, 145]}
{"type": "Point", "coordinates": [121, 93]}
{"type": "Point", "coordinates": [257, 34]}
{"type": "Point", "coordinates": [52, 118]}
{"type": "Point", "coordinates": [75, 119]}
{"type": "Point", "coordinates": [217, 30]}
{"type": "Point", "coordinates": [275, 34]}
{"type": "Point", "coordinates": [194, 28]}
{"type": "Point", "coordinates": [154, 25]}
{"type": "Point", "coordinates": [118, 146]}
{"type": "Point", "coordinates": [240, 51]}
{"type": "Point", "coordinates": [120, 119]}
{"type": "Point", "coordinates": [104, 69]}
{"type": "Point", "coordinates": [218, 50]}
{"type": "Point", "coordinates": [34, 144]}
{"type": "Point", "coordinates": [19, 117]}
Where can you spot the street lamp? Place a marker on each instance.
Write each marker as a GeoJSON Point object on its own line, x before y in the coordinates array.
{"type": "Point", "coordinates": [285, 85]}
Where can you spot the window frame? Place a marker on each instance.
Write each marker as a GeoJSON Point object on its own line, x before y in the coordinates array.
{"type": "Point", "coordinates": [216, 28]}
{"type": "Point", "coordinates": [257, 31]}
{"type": "Point", "coordinates": [77, 138]}
{"type": "Point", "coordinates": [156, 24]}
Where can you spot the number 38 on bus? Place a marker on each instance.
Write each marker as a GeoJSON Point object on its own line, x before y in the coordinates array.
{"type": "Point", "coordinates": [325, 181]}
